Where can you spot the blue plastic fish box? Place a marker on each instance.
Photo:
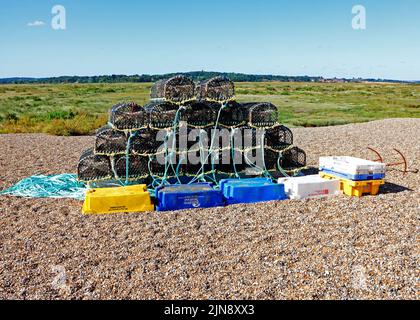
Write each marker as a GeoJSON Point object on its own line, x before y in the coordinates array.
{"type": "Point", "coordinates": [251, 190]}
{"type": "Point", "coordinates": [355, 177]}
{"type": "Point", "coordinates": [193, 196]}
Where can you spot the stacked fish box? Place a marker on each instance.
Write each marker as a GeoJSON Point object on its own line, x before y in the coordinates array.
{"type": "Point", "coordinates": [193, 196]}
{"type": "Point", "coordinates": [357, 176]}
{"type": "Point", "coordinates": [309, 187]}
{"type": "Point", "coordinates": [252, 190]}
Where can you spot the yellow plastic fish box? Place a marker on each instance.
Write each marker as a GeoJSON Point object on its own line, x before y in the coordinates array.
{"type": "Point", "coordinates": [116, 200]}
{"type": "Point", "coordinates": [356, 188]}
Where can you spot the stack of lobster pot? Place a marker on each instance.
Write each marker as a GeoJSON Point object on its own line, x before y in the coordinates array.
{"type": "Point", "coordinates": [143, 144]}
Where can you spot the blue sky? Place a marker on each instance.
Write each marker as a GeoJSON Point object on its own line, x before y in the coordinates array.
{"type": "Point", "coordinates": [300, 37]}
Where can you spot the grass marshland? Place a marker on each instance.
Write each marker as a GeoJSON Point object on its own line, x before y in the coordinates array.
{"type": "Point", "coordinates": [79, 109]}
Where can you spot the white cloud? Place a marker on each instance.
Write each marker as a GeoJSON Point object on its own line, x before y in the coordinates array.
{"type": "Point", "coordinates": [37, 23]}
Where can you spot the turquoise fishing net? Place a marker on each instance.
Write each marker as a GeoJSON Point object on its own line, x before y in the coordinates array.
{"type": "Point", "coordinates": [51, 186]}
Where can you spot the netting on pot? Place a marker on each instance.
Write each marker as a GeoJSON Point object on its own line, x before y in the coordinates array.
{"type": "Point", "coordinates": [237, 160]}
{"type": "Point", "coordinates": [293, 159]}
{"type": "Point", "coordinates": [145, 142]}
{"type": "Point", "coordinates": [259, 160]}
{"type": "Point", "coordinates": [234, 114]}
{"type": "Point", "coordinates": [217, 138]}
{"type": "Point", "coordinates": [219, 89]}
{"type": "Point", "coordinates": [137, 167]}
{"type": "Point", "coordinates": [161, 114]}
{"type": "Point", "coordinates": [159, 166]}
{"type": "Point", "coordinates": [193, 169]}
{"type": "Point", "coordinates": [185, 139]}
{"type": "Point", "coordinates": [279, 137]}
{"type": "Point", "coordinates": [197, 169]}
{"type": "Point", "coordinates": [110, 142]}
{"type": "Point", "coordinates": [262, 114]}
{"type": "Point", "coordinates": [198, 160]}
{"type": "Point", "coordinates": [271, 159]}
{"type": "Point", "coordinates": [230, 162]}
{"type": "Point", "coordinates": [199, 114]}
{"type": "Point", "coordinates": [177, 89]}
{"type": "Point", "coordinates": [92, 167]}
{"type": "Point", "coordinates": [128, 116]}
{"type": "Point", "coordinates": [252, 137]}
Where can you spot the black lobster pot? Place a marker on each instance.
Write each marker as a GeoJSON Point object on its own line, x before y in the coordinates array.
{"type": "Point", "coordinates": [293, 159]}
{"type": "Point", "coordinates": [199, 114]}
{"type": "Point", "coordinates": [232, 115]}
{"type": "Point", "coordinates": [92, 167]}
{"type": "Point", "coordinates": [262, 114]}
{"type": "Point", "coordinates": [137, 166]}
{"type": "Point", "coordinates": [128, 116]}
{"type": "Point", "coordinates": [218, 89]}
{"type": "Point", "coordinates": [278, 138]}
{"type": "Point", "coordinates": [178, 89]}
{"type": "Point", "coordinates": [144, 142]}
{"type": "Point", "coordinates": [161, 114]}
{"type": "Point", "coordinates": [110, 142]}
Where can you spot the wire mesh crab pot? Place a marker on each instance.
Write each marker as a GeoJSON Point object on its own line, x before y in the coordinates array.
{"type": "Point", "coordinates": [218, 89]}
{"type": "Point", "coordinates": [217, 138]}
{"type": "Point", "coordinates": [237, 158]}
{"type": "Point", "coordinates": [93, 167]}
{"type": "Point", "coordinates": [145, 142]}
{"type": "Point", "coordinates": [262, 114]}
{"type": "Point", "coordinates": [189, 139]}
{"type": "Point", "coordinates": [258, 160]}
{"type": "Point", "coordinates": [110, 142]}
{"type": "Point", "coordinates": [271, 159]}
{"type": "Point", "coordinates": [278, 138]}
{"type": "Point", "coordinates": [195, 169]}
{"type": "Point", "coordinates": [199, 114]}
{"type": "Point", "coordinates": [137, 167]}
{"type": "Point", "coordinates": [252, 137]}
{"type": "Point", "coordinates": [233, 115]}
{"type": "Point", "coordinates": [220, 160]}
{"type": "Point", "coordinates": [293, 159]}
{"type": "Point", "coordinates": [230, 161]}
{"type": "Point", "coordinates": [158, 167]}
{"type": "Point", "coordinates": [226, 149]}
{"type": "Point", "coordinates": [128, 116]}
{"type": "Point", "coordinates": [161, 114]}
{"type": "Point", "coordinates": [177, 90]}
{"type": "Point", "coordinates": [196, 160]}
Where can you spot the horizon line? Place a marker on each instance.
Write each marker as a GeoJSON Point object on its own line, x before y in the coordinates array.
{"type": "Point", "coordinates": [203, 71]}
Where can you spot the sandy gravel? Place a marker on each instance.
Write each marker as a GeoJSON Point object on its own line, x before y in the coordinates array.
{"type": "Point", "coordinates": [337, 248]}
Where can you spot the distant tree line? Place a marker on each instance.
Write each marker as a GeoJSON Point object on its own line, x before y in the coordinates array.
{"type": "Point", "coordinates": [195, 75]}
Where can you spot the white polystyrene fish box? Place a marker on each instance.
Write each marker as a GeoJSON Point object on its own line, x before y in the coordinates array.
{"type": "Point", "coordinates": [351, 165]}
{"type": "Point", "coordinates": [310, 187]}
